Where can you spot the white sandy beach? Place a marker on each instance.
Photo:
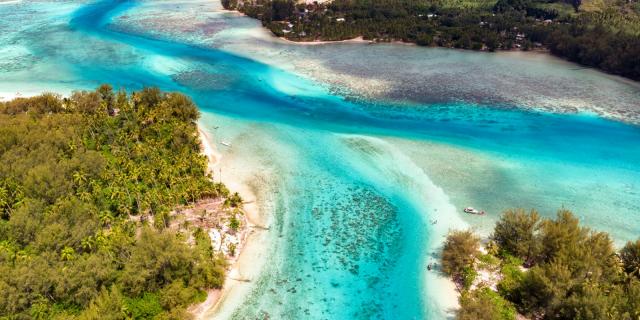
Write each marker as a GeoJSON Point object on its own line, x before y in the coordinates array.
{"type": "Point", "coordinates": [8, 96]}
{"type": "Point", "coordinates": [25, 90]}
{"type": "Point", "coordinates": [359, 40]}
{"type": "Point", "coordinates": [252, 252]}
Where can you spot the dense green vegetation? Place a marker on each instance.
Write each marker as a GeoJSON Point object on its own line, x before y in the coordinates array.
{"type": "Point", "coordinates": [485, 304]}
{"type": "Point", "coordinates": [603, 34]}
{"type": "Point", "coordinates": [459, 253]}
{"type": "Point", "coordinates": [550, 269]}
{"type": "Point", "coordinates": [86, 187]}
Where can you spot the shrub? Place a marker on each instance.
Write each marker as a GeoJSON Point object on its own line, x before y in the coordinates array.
{"type": "Point", "coordinates": [489, 260]}
{"type": "Point", "coordinates": [484, 304]}
{"type": "Point", "coordinates": [468, 275]}
{"type": "Point", "coordinates": [516, 233]}
{"type": "Point", "coordinates": [512, 278]}
{"type": "Point", "coordinates": [460, 250]}
{"type": "Point", "coordinates": [630, 256]}
{"type": "Point", "coordinates": [144, 307]}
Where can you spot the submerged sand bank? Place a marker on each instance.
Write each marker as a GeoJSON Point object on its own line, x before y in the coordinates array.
{"type": "Point", "coordinates": [529, 80]}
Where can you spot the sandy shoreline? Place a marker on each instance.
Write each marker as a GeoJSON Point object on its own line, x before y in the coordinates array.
{"type": "Point", "coordinates": [33, 92]}
{"type": "Point", "coordinates": [359, 40]}
{"type": "Point", "coordinates": [251, 252]}
{"type": "Point", "coordinates": [254, 223]}
{"type": "Point", "coordinates": [6, 96]}
{"type": "Point", "coordinates": [208, 150]}
{"type": "Point", "coordinates": [246, 260]}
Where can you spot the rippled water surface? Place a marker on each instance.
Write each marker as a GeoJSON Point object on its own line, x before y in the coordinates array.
{"type": "Point", "coordinates": [352, 150]}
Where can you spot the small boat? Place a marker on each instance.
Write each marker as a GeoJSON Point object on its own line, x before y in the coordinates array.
{"type": "Point", "coordinates": [226, 144]}
{"type": "Point", "coordinates": [471, 210]}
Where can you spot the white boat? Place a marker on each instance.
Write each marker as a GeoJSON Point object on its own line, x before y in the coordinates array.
{"type": "Point", "coordinates": [471, 210]}
{"type": "Point", "coordinates": [226, 144]}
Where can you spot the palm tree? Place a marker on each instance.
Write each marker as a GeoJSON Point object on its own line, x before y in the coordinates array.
{"type": "Point", "coordinates": [40, 310]}
{"type": "Point", "coordinates": [101, 241]}
{"type": "Point", "coordinates": [117, 194]}
{"type": "Point", "coordinates": [87, 244]}
{"type": "Point", "coordinates": [79, 178]}
{"type": "Point", "coordinates": [4, 198]}
{"type": "Point", "coordinates": [72, 146]}
{"type": "Point", "coordinates": [106, 218]}
{"type": "Point", "coordinates": [84, 195]}
{"type": "Point", "coordinates": [67, 254]}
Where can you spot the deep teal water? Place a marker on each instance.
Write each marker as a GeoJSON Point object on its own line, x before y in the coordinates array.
{"type": "Point", "coordinates": [351, 231]}
{"type": "Point", "coordinates": [246, 95]}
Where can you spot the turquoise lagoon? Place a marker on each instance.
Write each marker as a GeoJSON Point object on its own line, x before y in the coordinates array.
{"type": "Point", "coordinates": [351, 151]}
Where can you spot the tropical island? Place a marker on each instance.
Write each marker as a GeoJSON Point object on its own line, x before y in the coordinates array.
{"type": "Point", "coordinates": [109, 210]}
{"type": "Point", "coordinates": [600, 34]}
{"type": "Point", "coordinates": [543, 269]}
{"type": "Point", "coordinates": [107, 207]}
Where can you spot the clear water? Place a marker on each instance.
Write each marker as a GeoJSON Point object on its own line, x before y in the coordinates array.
{"type": "Point", "coordinates": [350, 182]}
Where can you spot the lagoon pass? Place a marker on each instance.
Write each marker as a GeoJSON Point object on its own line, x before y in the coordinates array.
{"type": "Point", "coordinates": [358, 157]}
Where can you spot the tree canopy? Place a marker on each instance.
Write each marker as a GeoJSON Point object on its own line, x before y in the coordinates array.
{"type": "Point", "coordinates": [460, 250]}
{"type": "Point", "coordinates": [80, 180]}
{"type": "Point", "coordinates": [516, 233]}
{"type": "Point", "coordinates": [575, 272]}
{"type": "Point", "coordinates": [601, 34]}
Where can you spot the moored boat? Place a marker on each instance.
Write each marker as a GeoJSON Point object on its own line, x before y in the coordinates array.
{"type": "Point", "coordinates": [471, 210]}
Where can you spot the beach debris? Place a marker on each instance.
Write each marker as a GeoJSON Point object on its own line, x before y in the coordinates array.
{"type": "Point", "coordinates": [211, 215]}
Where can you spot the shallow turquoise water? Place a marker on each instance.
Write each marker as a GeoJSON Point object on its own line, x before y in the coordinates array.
{"type": "Point", "coordinates": [357, 181]}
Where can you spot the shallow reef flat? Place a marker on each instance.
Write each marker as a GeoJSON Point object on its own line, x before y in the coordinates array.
{"type": "Point", "coordinates": [343, 234]}
{"type": "Point", "coordinates": [407, 73]}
